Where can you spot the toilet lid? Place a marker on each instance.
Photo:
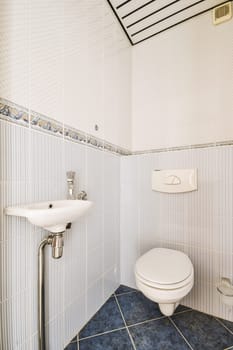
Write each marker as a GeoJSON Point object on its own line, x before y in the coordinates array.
{"type": "Point", "coordinates": [164, 266]}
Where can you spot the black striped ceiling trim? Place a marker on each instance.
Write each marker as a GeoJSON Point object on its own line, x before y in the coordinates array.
{"type": "Point", "coordinates": [144, 21]}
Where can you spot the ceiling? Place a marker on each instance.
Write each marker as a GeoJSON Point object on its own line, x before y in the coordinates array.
{"type": "Point", "coordinates": [143, 19]}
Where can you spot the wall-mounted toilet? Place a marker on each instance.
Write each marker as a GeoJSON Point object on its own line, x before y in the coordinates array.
{"type": "Point", "coordinates": [164, 276]}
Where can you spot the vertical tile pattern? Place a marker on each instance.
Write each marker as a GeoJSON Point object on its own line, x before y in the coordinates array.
{"type": "Point", "coordinates": [111, 222]}
{"type": "Point", "coordinates": [59, 58]}
{"type": "Point", "coordinates": [14, 59]}
{"type": "Point", "coordinates": [130, 218]}
{"type": "Point", "coordinates": [198, 223]}
{"type": "Point", "coordinates": [33, 168]}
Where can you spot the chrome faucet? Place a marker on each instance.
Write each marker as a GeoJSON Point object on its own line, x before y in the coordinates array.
{"type": "Point", "coordinates": [70, 177]}
{"type": "Point", "coordinates": [82, 196]}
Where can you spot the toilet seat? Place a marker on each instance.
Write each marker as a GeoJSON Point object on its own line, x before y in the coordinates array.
{"type": "Point", "coordinates": [164, 276]}
{"type": "Point", "coordinates": [165, 286]}
{"type": "Point", "coordinates": [164, 269]}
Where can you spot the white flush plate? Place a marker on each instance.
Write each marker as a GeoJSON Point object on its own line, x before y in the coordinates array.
{"type": "Point", "coordinates": [174, 180]}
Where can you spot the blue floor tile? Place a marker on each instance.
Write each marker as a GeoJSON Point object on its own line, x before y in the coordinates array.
{"type": "Point", "coordinates": [203, 331]}
{"type": "Point", "coordinates": [106, 319]}
{"type": "Point", "coordinates": [72, 346]}
{"type": "Point", "coordinates": [124, 289]}
{"type": "Point", "coordinates": [228, 324]}
{"type": "Point", "coordinates": [137, 308]}
{"type": "Point", "coordinates": [118, 340]}
{"type": "Point", "coordinates": [157, 335]}
{"type": "Point", "coordinates": [181, 308]}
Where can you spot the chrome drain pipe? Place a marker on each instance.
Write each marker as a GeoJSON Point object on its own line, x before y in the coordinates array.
{"type": "Point", "coordinates": [57, 243]}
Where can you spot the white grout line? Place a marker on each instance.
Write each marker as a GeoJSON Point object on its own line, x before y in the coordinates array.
{"type": "Point", "coordinates": [97, 335]}
{"type": "Point", "coordinates": [133, 291]}
{"type": "Point", "coordinates": [147, 321]}
{"type": "Point", "coordinates": [179, 331]}
{"type": "Point", "coordinates": [130, 336]}
{"type": "Point", "coordinates": [157, 318]}
{"type": "Point", "coordinates": [182, 312]}
{"type": "Point", "coordinates": [231, 347]}
{"type": "Point", "coordinates": [222, 324]}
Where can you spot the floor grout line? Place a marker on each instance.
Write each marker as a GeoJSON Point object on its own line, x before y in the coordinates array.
{"type": "Point", "coordinates": [181, 334]}
{"type": "Point", "coordinates": [130, 336]}
{"type": "Point", "coordinates": [182, 312]}
{"type": "Point", "coordinates": [97, 335]}
{"type": "Point", "coordinates": [147, 321]}
{"type": "Point", "coordinates": [133, 291]}
{"type": "Point", "coordinates": [157, 318]}
{"type": "Point", "coordinates": [222, 324]}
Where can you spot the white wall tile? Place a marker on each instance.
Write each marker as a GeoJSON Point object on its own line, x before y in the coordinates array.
{"type": "Point", "coordinates": [111, 281]}
{"type": "Point", "coordinates": [111, 211]}
{"type": "Point", "coordinates": [95, 186]}
{"type": "Point", "coordinates": [12, 152]}
{"type": "Point", "coordinates": [14, 58]}
{"type": "Point", "coordinates": [94, 298]}
{"type": "Point", "coordinates": [46, 65]}
{"type": "Point", "coordinates": [130, 219]}
{"type": "Point", "coordinates": [94, 265]}
{"type": "Point", "coordinates": [177, 101]}
{"type": "Point", "coordinates": [111, 234]}
{"type": "Point", "coordinates": [75, 318]}
{"type": "Point", "coordinates": [55, 333]}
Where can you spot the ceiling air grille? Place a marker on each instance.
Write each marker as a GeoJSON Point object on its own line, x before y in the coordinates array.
{"type": "Point", "coordinates": [222, 13]}
{"type": "Point", "coordinates": [143, 19]}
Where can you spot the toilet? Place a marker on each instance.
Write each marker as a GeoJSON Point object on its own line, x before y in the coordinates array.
{"type": "Point", "coordinates": [165, 276]}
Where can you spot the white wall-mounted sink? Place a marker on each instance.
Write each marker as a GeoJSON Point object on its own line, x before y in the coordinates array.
{"type": "Point", "coordinates": [51, 215]}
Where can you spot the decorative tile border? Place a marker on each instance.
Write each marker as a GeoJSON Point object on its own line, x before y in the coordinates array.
{"type": "Point", "coordinates": [43, 123]}
{"type": "Point", "coordinates": [20, 115]}
{"type": "Point", "coordinates": [188, 147]}
{"type": "Point", "coordinates": [12, 112]}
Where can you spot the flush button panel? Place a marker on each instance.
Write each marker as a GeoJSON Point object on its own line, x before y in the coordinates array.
{"type": "Point", "coordinates": [174, 180]}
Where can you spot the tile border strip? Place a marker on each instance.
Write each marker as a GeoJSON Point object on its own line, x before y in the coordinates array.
{"type": "Point", "coordinates": [20, 115]}
{"type": "Point", "coordinates": [11, 112]}
{"type": "Point", "coordinates": [185, 148]}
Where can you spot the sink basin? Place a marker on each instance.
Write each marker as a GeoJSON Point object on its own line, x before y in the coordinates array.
{"type": "Point", "coordinates": [51, 215]}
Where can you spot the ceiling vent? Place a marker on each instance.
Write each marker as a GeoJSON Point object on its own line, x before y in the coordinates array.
{"type": "Point", "coordinates": [222, 13]}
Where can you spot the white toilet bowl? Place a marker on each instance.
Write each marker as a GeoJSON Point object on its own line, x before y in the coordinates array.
{"type": "Point", "coordinates": [164, 276]}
